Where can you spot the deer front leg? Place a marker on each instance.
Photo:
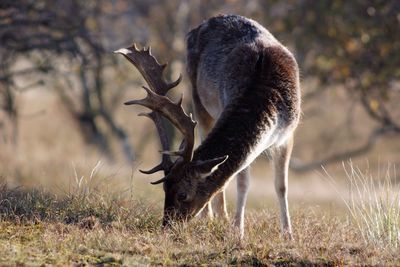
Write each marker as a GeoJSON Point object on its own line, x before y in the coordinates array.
{"type": "Point", "coordinates": [204, 129]}
{"type": "Point", "coordinates": [206, 123]}
{"type": "Point", "coordinates": [207, 212]}
{"type": "Point", "coordinates": [219, 205]}
{"type": "Point", "coordinates": [281, 157]}
{"type": "Point", "coordinates": [242, 183]}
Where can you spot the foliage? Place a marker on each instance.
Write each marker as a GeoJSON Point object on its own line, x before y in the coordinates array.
{"type": "Point", "coordinates": [344, 44]}
{"type": "Point", "coordinates": [353, 43]}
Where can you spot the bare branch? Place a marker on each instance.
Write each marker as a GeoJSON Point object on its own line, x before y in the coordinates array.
{"type": "Point", "coordinates": [298, 166]}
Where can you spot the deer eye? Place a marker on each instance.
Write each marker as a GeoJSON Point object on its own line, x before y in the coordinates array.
{"type": "Point", "coordinates": [182, 196]}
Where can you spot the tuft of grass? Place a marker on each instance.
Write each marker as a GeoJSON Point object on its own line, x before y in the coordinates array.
{"type": "Point", "coordinates": [85, 204]}
{"type": "Point", "coordinates": [374, 205]}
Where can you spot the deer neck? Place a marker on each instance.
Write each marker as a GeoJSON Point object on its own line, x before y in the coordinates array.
{"type": "Point", "coordinates": [238, 133]}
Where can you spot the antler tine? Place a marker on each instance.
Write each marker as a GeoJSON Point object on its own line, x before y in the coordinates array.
{"type": "Point", "coordinates": [166, 162]}
{"type": "Point", "coordinates": [162, 180]}
{"type": "Point", "coordinates": [176, 115]}
{"type": "Point", "coordinates": [151, 70]}
{"type": "Point", "coordinates": [155, 169]}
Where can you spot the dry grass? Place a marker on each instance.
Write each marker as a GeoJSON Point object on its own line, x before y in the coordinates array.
{"type": "Point", "coordinates": [97, 229]}
{"type": "Point", "coordinates": [374, 205]}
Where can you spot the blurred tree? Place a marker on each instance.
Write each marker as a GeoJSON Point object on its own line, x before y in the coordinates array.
{"type": "Point", "coordinates": [354, 44]}
{"type": "Point", "coordinates": [350, 43]}
{"type": "Point", "coordinates": [65, 37]}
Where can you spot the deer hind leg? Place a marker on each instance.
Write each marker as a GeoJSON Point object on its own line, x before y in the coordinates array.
{"type": "Point", "coordinates": [281, 157]}
{"type": "Point", "coordinates": [243, 183]}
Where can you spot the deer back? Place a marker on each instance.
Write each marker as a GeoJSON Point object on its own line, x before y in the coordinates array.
{"type": "Point", "coordinates": [221, 58]}
{"type": "Point", "coordinates": [242, 76]}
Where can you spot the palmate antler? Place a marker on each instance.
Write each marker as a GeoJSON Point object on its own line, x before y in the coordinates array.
{"type": "Point", "coordinates": [156, 100]}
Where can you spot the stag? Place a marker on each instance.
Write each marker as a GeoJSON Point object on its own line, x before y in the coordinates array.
{"type": "Point", "coordinates": [246, 98]}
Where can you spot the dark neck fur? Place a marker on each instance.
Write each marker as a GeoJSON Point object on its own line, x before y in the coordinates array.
{"type": "Point", "coordinates": [235, 133]}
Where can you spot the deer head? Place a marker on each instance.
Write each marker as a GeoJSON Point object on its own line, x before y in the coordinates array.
{"type": "Point", "coordinates": [184, 181]}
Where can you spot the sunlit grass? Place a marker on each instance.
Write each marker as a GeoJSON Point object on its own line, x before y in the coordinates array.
{"type": "Point", "coordinates": [373, 204]}
{"type": "Point", "coordinates": [91, 225]}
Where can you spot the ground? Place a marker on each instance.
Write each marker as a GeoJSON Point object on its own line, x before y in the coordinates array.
{"type": "Point", "coordinates": [37, 228]}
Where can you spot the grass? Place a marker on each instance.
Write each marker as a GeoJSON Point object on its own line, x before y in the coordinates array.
{"type": "Point", "coordinates": [95, 240]}
{"type": "Point", "coordinates": [88, 227]}
{"type": "Point", "coordinates": [89, 224]}
{"type": "Point", "coordinates": [377, 215]}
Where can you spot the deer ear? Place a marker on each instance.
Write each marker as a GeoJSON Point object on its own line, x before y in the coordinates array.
{"type": "Point", "coordinates": [205, 168]}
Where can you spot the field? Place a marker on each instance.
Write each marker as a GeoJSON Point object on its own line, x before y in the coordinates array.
{"type": "Point", "coordinates": [63, 204]}
{"type": "Point", "coordinates": [71, 207]}
{"type": "Point", "coordinates": [82, 228]}
{"type": "Point", "coordinates": [71, 193]}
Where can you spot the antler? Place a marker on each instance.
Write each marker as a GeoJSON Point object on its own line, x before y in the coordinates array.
{"type": "Point", "coordinates": [148, 66]}
{"type": "Point", "coordinates": [156, 100]}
